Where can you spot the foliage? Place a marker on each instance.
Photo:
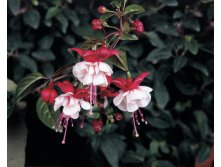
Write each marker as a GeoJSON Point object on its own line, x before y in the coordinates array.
{"type": "Point", "coordinates": [177, 47]}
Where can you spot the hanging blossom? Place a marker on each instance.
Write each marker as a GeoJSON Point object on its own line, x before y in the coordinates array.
{"type": "Point", "coordinates": [132, 96]}
{"type": "Point", "coordinates": [93, 71]}
{"type": "Point", "coordinates": [72, 101]}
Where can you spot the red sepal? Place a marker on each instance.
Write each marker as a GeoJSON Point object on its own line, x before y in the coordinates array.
{"type": "Point", "coordinates": [138, 80]}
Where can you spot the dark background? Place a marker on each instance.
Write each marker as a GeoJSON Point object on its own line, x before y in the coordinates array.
{"type": "Point", "coordinates": [177, 47]}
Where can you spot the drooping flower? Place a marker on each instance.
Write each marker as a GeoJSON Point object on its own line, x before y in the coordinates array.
{"type": "Point", "coordinates": [97, 125]}
{"type": "Point", "coordinates": [96, 24]}
{"type": "Point", "coordinates": [132, 96]}
{"type": "Point", "coordinates": [118, 116]}
{"type": "Point", "coordinates": [93, 71]}
{"type": "Point", "coordinates": [72, 102]}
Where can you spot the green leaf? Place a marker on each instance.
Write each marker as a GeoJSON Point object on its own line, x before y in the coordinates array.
{"type": "Point", "coordinates": [177, 14]}
{"type": "Point", "coordinates": [163, 120]}
{"type": "Point", "coordinates": [191, 45]}
{"type": "Point", "coordinates": [63, 22]}
{"type": "Point", "coordinates": [44, 55]}
{"type": "Point", "coordinates": [46, 42]}
{"type": "Point", "coordinates": [32, 18]}
{"type": "Point", "coordinates": [120, 62]}
{"type": "Point", "coordinates": [28, 63]}
{"type": "Point", "coordinates": [47, 117]}
{"type": "Point", "coordinates": [110, 151]}
{"type": "Point", "coordinates": [86, 131]}
{"type": "Point", "coordinates": [134, 50]}
{"type": "Point", "coordinates": [170, 2]}
{"type": "Point", "coordinates": [69, 39]}
{"type": "Point", "coordinates": [202, 122]}
{"type": "Point", "coordinates": [162, 163]}
{"type": "Point", "coordinates": [167, 29]}
{"type": "Point", "coordinates": [159, 54]}
{"type": "Point", "coordinates": [179, 62]}
{"type": "Point", "coordinates": [72, 16]}
{"type": "Point", "coordinates": [106, 16]}
{"type": "Point", "coordinates": [116, 4]}
{"type": "Point", "coordinates": [185, 86]}
{"type": "Point", "coordinates": [128, 37]}
{"type": "Point", "coordinates": [199, 67]}
{"type": "Point", "coordinates": [135, 9]}
{"type": "Point", "coordinates": [161, 95]}
{"type": "Point", "coordinates": [192, 24]}
{"type": "Point", "coordinates": [14, 6]}
{"type": "Point", "coordinates": [47, 69]}
{"type": "Point", "coordinates": [28, 84]}
{"type": "Point", "coordinates": [10, 104]}
{"type": "Point", "coordinates": [154, 39]}
{"type": "Point", "coordinates": [11, 85]}
{"type": "Point", "coordinates": [52, 12]}
{"type": "Point", "coordinates": [162, 73]}
{"type": "Point", "coordinates": [203, 153]}
{"type": "Point", "coordinates": [186, 130]}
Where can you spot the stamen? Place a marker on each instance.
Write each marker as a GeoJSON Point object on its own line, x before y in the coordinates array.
{"type": "Point", "coordinates": [135, 129]}
{"type": "Point", "coordinates": [66, 127]}
{"type": "Point", "coordinates": [136, 118]}
{"type": "Point", "coordinates": [91, 91]}
{"type": "Point", "coordinates": [142, 117]}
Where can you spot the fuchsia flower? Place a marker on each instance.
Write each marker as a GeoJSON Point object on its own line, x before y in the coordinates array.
{"type": "Point", "coordinates": [137, 26]}
{"type": "Point", "coordinates": [93, 71]}
{"type": "Point", "coordinates": [102, 9]}
{"type": "Point", "coordinates": [72, 102]}
{"type": "Point", "coordinates": [131, 97]}
{"type": "Point", "coordinates": [96, 24]}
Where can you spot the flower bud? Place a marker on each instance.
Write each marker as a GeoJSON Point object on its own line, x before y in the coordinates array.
{"type": "Point", "coordinates": [97, 125]}
{"type": "Point", "coordinates": [102, 9]}
{"type": "Point", "coordinates": [137, 26]}
{"type": "Point", "coordinates": [96, 24]}
{"type": "Point", "coordinates": [118, 116]}
{"type": "Point", "coordinates": [48, 95]}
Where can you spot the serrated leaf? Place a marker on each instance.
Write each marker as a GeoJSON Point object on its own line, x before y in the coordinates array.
{"type": "Point", "coordinates": [47, 117]}
{"type": "Point", "coordinates": [28, 63]}
{"type": "Point", "coordinates": [179, 62]}
{"type": "Point", "coordinates": [154, 39]}
{"type": "Point", "coordinates": [128, 37]}
{"type": "Point", "coordinates": [120, 62]}
{"type": "Point", "coordinates": [106, 16]}
{"type": "Point", "coordinates": [32, 18]}
{"type": "Point", "coordinates": [28, 84]}
{"type": "Point", "coordinates": [135, 9]}
{"type": "Point", "coordinates": [52, 12]}
{"type": "Point", "coordinates": [46, 42]}
{"type": "Point", "coordinates": [14, 6]}
{"type": "Point", "coordinates": [110, 151]}
{"type": "Point", "coordinates": [161, 95]}
{"type": "Point", "coordinates": [44, 55]}
{"type": "Point", "coordinates": [159, 54]}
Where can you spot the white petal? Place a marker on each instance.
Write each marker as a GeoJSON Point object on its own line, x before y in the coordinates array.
{"type": "Point", "coordinates": [131, 107]}
{"type": "Point", "coordinates": [58, 103]}
{"type": "Point", "coordinates": [70, 110]}
{"type": "Point", "coordinates": [145, 88]}
{"type": "Point", "coordinates": [122, 106]}
{"type": "Point", "coordinates": [105, 68]}
{"type": "Point", "coordinates": [91, 70]}
{"type": "Point", "coordinates": [96, 68]}
{"type": "Point", "coordinates": [75, 116]}
{"type": "Point", "coordinates": [99, 79]}
{"type": "Point", "coordinates": [144, 102]}
{"type": "Point", "coordinates": [87, 79]}
{"type": "Point", "coordinates": [105, 102]}
{"type": "Point", "coordinates": [85, 105]}
{"type": "Point", "coordinates": [118, 99]}
{"type": "Point", "coordinates": [135, 94]}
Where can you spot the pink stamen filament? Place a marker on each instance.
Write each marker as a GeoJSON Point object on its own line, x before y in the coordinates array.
{"type": "Point", "coordinates": [135, 129]}
{"type": "Point", "coordinates": [65, 125]}
{"type": "Point", "coordinates": [142, 117]}
{"type": "Point", "coordinates": [136, 118]}
{"type": "Point", "coordinates": [91, 91]}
